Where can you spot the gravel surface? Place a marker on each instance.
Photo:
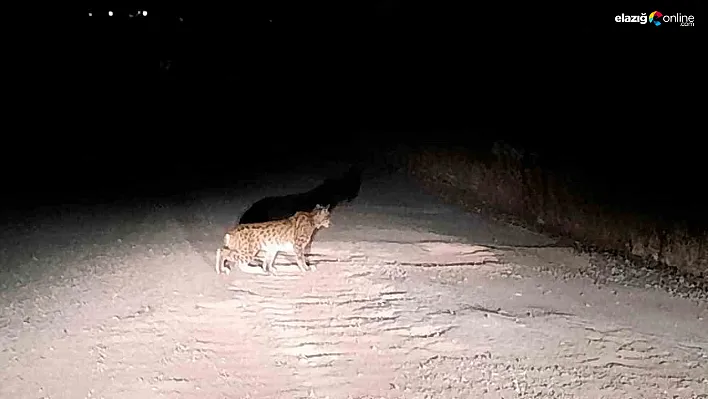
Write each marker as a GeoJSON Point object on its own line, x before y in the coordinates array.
{"type": "Point", "coordinates": [409, 300]}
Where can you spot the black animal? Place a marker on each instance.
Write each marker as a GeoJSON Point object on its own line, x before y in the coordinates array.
{"type": "Point", "coordinates": [330, 193]}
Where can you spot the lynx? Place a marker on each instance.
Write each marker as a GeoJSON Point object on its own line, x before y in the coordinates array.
{"type": "Point", "coordinates": [294, 234]}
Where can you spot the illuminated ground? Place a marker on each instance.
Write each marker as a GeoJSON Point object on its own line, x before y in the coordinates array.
{"type": "Point", "coordinates": [124, 303]}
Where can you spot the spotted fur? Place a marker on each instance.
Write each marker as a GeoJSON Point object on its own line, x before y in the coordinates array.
{"type": "Point", "coordinates": [294, 234]}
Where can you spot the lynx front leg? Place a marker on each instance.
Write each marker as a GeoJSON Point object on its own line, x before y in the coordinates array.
{"type": "Point", "coordinates": [301, 261]}
{"type": "Point", "coordinates": [308, 247]}
{"type": "Point", "coordinates": [220, 259]}
{"type": "Point", "coordinates": [217, 267]}
{"type": "Point", "coordinates": [307, 252]}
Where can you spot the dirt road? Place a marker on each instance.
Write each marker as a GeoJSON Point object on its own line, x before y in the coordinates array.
{"type": "Point", "coordinates": [409, 301]}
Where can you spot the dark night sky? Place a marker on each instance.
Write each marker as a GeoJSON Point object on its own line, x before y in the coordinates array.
{"type": "Point", "coordinates": [563, 79]}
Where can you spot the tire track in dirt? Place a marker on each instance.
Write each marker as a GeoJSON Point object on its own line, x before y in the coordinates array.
{"type": "Point", "coordinates": [397, 318]}
{"type": "Point", "coordinates": [338, 331]}
{"type": "Point", "coordinates": [537, 351]}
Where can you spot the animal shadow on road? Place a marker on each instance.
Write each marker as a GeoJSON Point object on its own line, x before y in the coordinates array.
{"type": "Point", "coordinates": [330, 193]}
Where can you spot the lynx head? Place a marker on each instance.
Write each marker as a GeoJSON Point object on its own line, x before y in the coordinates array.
{"type": "Point", "coordinates": [320, 216]}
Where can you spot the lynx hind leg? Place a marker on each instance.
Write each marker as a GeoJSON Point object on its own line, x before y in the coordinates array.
{"type": "Point", "coordinates": [244, 264]}
{"type": "Point", "coordinates": [269, 262]}
{"type": "Point", "coordinates": [300, 258]}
